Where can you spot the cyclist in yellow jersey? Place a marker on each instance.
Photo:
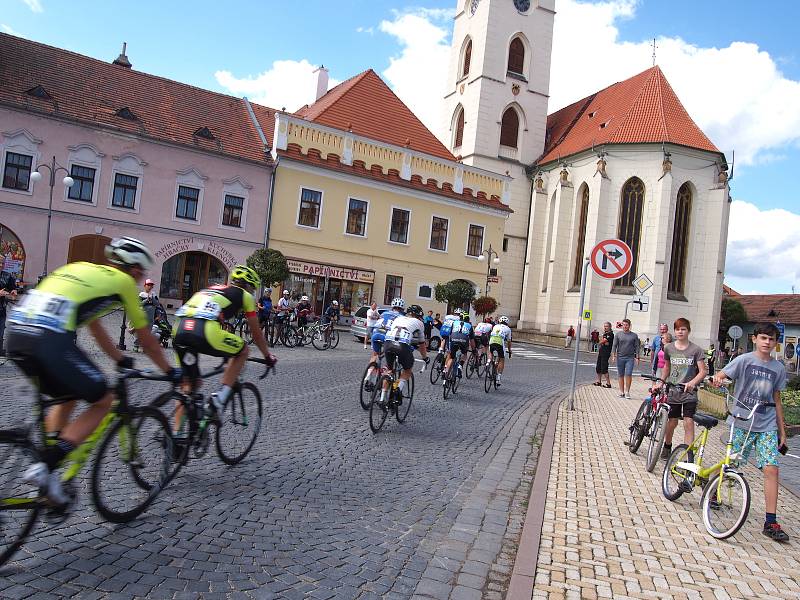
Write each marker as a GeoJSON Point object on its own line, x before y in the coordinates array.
{"type": "Point", "coordinates": [199, 330]}
{"type": "Point", "coordinates": [42, 334]}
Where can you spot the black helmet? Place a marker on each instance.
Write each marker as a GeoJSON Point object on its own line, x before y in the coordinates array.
{"type": "Point", "coordinates": [415, 309]}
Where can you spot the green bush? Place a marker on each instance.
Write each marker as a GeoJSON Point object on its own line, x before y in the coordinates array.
{"type": "Point", "coordinates": [793, 383]}
{"type": "Point", "coordinates": [791, 406]}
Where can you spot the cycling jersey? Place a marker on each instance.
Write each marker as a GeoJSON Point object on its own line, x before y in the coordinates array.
{"type": "Point", "coordinates": [483, 328]}
{"type": "Point", "coordinates": [379, 332]}
{"type": "Point", "coordinates": [501, 333]}
{"type": "Point", "coordinates": [406, 330]}
{"type": "Point", "coordinates": [461, 331]}
{"type": "Point", "coordinates": [77, 294]}
{"type": "Point", "coordinates": [444, 330]}
{"type": "Point", "coordinates": [219, 303]}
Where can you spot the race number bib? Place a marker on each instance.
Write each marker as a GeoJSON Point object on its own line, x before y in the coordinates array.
{"type": "Point", "coordinates": [401, 334]}
{"type": "Point", "coordinates": [208, 310]}
{"type": "Point", "coordinates": [42, 309]}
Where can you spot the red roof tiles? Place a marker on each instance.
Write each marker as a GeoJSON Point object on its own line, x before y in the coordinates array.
{"type": "Point", "coordinates": [365, 105]}
{"type": "Point", "coordinates": [641, 109]}
{"type": "Point", "coordinates": [92, 92]}
{"type": "Point", "coordinates": [771, 307]}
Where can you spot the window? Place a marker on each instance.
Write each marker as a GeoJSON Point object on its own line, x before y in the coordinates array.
{"type": "Point", "coordinates": [124, 191]}
{"type": "Point", "coordinates": [577, 270]}
{"type": "Point", "coordinates": [310, 208]}
{"type": "Point", "coordinates": [232, 211]}
{"type": "Point", "coordinates": [509, 128]}
{"type": "Point", "coordinates": [505, 244]}
{"type": "Point", "coordinates": [467, 58]}
{"type": "Point", "coordinates": [83, 187]}
{"type": "Point", "coordinates": [630, 226]}
{"type": "Point", "coordinates": [458, 138]}
{"type": "Point", "coordinates": [399, 228]}
{"type": "Point", "coordinates": [17, 174]}
{"type": "Point", "coordinates": [680, 244]}
{"type": "Point", "coordinates": [475, 240]}
{"type": "Point", "coordinates": [357, 217]}
{"type": "Point", "coordinates": [439, 234]}
{"type": "Point", "coordinates": [516, 57]}
{"type": "Point", "coordinates": [187, 202]}
{"type": "Point", "coordinates": [425, 291]}
{"type": "Point", "coordinates": [394, 288]}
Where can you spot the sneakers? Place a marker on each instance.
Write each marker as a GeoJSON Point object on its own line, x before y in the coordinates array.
{"type": "Point", "coordinates": [774, 531]}
{"type": "Point", "coordinates": [666, 451]}
{"type": "Point", "coordinates": [627, 396]}
{"type": "Point", "coordinates": [621, 395]}
{"type": "Point", "coordinates": [39, 475]}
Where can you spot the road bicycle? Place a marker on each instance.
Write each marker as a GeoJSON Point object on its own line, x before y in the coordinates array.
{"type": "Point", "coordinates": [490, 373]}
{"type": "Point", "coordinates": [438, 366]}
{"type": "Point", "coordinates": [651, 421]}
{"type": "Point", "coordinates": [725, 501]}
{"type": "Point", "coordinates": [451, 376]}
{"type": "Point", "coordinates": [393, 401]}
{"type": "Point", "coordinates": [325, 336]}
{"type": "Point", "coordinates": [131, 467]}
{"type": "Point", "coordinates": [236, 427]}
{"type": "Point", "coordinates": [475, 364]}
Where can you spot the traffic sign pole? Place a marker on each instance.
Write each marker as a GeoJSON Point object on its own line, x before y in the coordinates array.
{"type": "Point", "coordinates": [571, 404]}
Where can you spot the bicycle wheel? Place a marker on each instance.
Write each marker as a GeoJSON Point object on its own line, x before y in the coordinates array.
{"type": "Point", "coordinates": [318, 340]}
{"type": "Point", "coordinates": [725, 504]}
{"type": "Point", "coordinates": [168, 404]}
{"type": "Point", "coordinates": [289, 336]}
{"type": "Point", "coordinates": [656, 439]}
{"type": "Point", "coordinates": [334, 338]}
{"type": "Point", "coordinates": [245, 333]}
{"type": "Point", "coordinates": [239, 424]}
{"type": "Point", "coordinates": [408, 396]}
{"type": "Point", "coordinates": [638, 426]}
{"type": "Point", "coordinates": [436, 368]}
{"type": "Point", "coordinates": [378, 410]}
{"type": "Point", "coordinates": [364, 396]}
{"type": "Point", "coordinates": [133, 464]}
{"type": "Point", "coordinates": [488, 376]}
{"type": "Point", "coordinates": [469, 368]}
{"type": "Point", "coordinates": [449, 376]}
{"type": "Point", "coordinates": [672, 477]}
{"type": "Point", "coordinates": [480, 365]}
{"type": "Point", "coordinates": [19, 501]}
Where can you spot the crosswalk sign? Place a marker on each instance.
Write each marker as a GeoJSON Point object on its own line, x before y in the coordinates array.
{"type": "Point", "coordinates": [587, 315]}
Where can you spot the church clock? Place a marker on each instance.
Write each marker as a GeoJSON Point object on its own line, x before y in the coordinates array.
{"type": "Point", "coordinates": [473, 6]}
{"type": "Point", "coordinates": [522, 5]}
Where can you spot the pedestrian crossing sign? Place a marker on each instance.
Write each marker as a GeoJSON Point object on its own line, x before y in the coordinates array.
{"type": "Point", "coordinates": [587, 315]}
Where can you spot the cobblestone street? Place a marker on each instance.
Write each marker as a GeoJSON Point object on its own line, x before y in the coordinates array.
{"type": "Point", "coordinates": [321, 508]}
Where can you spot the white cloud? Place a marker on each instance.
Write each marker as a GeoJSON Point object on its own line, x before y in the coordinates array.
{"type": "Point", "coordinates": [34, 5]}
{"type": "Point", "coordinates": [289, 84]}
{"type": "Point", "coordinates": [762, 248]}
{"type": "Point", "coordinates": [369, 30]}
{"type": "Point", "coordinates": [7, 29]}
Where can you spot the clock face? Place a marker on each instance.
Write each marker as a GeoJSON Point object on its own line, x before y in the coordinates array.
{"type": "Point", "coordinates": [473, 6]}
{"type": "Point", "coordinates": [522, 5]}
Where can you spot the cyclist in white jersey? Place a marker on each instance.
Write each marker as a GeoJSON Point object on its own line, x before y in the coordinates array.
{"type": "Point", "coordinates": [405, 333]}
{"type": "Point", "coordinates": [482, 331]}
{"type": "Point", "coordinates": [500, 337]}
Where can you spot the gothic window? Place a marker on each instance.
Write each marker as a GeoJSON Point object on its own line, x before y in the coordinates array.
{"type": "Point", "coordinates": [509, 128]}
{"type": "Point", "coordinates": [516, 57]}
{"type": "Point", "coordinates": [580, 235]}
{"type": "Point", "coordinates": [630, 225]}
{"type": "Point", "coordinates": [458, 138]}
{"type": "Point", "coordinates": [467, 59]}
{"type": "Point", "coordinates": [680, 244]}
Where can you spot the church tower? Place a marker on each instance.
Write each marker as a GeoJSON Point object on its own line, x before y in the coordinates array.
{"type": "Point", "coordinates": [495, 111]}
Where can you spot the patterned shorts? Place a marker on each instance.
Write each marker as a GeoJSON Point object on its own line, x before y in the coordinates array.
{"type": "Point", "coordinates": [765, 442]}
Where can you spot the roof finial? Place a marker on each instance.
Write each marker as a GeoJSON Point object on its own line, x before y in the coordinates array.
{"type": "Point", "coordinates": [122, 59]}
{"type": "Point", "coordinates": [654, 51]}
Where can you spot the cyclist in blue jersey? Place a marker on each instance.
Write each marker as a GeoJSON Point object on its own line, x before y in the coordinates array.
{"type": "Point", "coordinates": [378, 336]}
{"type": "Point", "coordinates": [462, 337]}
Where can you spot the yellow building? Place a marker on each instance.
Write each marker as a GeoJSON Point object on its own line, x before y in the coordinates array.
{"type": "Point", "coordinates": [368, 204]}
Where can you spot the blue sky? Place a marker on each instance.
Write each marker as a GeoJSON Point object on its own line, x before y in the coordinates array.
{"type": "Point", "coordinates": [734, 64]}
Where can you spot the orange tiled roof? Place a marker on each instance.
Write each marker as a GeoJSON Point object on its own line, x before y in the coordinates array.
{"type": "Point", "coordinates": [641, 109]}
{"type": "Point", "coordinates": [365, 105]}
{"type": "Point", "coordinates": [771, 307]}
{"type": "Point", "coordinates": [729, 291]}
{"type": "Point", "coordinates": [92, 91]}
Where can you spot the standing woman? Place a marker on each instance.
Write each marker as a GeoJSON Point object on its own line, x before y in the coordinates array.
{"type": "Point", "coordinates": [603, 354]}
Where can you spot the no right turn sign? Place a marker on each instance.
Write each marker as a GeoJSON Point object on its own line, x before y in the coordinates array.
{"type": "Point", "coordinates": [611, 259]}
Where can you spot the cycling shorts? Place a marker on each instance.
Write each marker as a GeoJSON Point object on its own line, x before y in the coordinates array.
{"type": "Point", "coordinates": [377, 341]}
{"type": "Point", "coordinates": [482, 340]}
{"type": "Point", "coordinates": [62, 368]}
{"type": "Point", "coordinates": [403, 352]}
{"type": "Point", "coordinates": [456, 345]}
{"type": "Point", "coordinates": [499, 349]}
{"type": "Point", "coordinates": [200, 336]}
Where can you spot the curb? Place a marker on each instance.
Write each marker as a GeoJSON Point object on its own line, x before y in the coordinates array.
{"type": "Point", "coordinates": [524, 573]}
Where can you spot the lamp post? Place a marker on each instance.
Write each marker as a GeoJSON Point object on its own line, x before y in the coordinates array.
{"type": "Point", "coordinates": [53, 168]}
{"type": "Point", "coordinates": [487, 256]}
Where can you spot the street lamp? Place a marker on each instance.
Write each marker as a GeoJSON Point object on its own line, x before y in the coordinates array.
{"type": "Point", "coordinates": [487, 256]}
{"type": "Point", "coordinates": [53, 168]}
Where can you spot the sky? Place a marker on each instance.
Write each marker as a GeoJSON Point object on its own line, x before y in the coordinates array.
{"type": "Point", "coordinates": [734, 64]}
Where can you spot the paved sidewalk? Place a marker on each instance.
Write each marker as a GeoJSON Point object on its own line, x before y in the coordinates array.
{"type": "Point", "coordinates": [609, 532]}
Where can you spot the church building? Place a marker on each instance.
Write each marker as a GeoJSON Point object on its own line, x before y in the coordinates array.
{"type": "Point", "coordinates": [625, 162]}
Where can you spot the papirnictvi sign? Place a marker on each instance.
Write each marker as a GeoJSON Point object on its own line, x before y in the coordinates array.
{"type": "Point", "coordinates": [192, 244]}
{"type": "Point", "coordinates": [346, 273]}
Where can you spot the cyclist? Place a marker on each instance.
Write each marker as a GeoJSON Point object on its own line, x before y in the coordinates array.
{"type": "Point", "coordinates": [406, 331]}
{"type": "Point", "coordinates": [444, 330]}
{"type": "Point", "coordinates": [199, 330]}
{"type": "Point", "coordinates": [378, 336]}
{"type": "Point", "coordinates": [330, 315]}
{"type": "Point", "coordinates": [42, 336]}
{"type": "Point", "coordinates": [482, 331]}
{"type": "Point", "coordinates": [500, 336]}
{"type": "Point", "coordinates": [461, 337]}
{"type": "Point", "coordinates": [283, 314]}
{"type": "Point", "coordinates": [265, 309]}
{"type": "Point", "coordinates": [304, 311]}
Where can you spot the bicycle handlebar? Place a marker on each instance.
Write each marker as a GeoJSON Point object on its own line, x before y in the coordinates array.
{"type": "Point", "coordinates": [267, 368]}
{"type": "Point", "coordinates": [145, 374]}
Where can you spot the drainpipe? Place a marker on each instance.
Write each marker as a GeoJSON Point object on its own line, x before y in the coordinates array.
{"type": "Point", "coordinates": [527, 241]}
{"type": "Point", "coordinates": [270, 199]}
{"type": "Point", "coordinates": [265, 146]}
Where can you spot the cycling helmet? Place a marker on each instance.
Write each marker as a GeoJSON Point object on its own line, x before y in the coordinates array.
{"type": "Point", "coordinates": [503, 320]}
{"type": "Point", "coordinates": [246, 275]}
{"type": "Point", "coordinates": [285, 292]}
{"type": "Point", "coordinates": [304, 299]}
{"type": "Point", "coordinates": [335, 303]}
{"type": "Point", "coordinates": [415, 309]}
{"type": "Point", "coordinates": [488, 320]}
{"type": "Point", "coordinates": [398, 303]}
{"type": "Point", "coordinates": [465, 317]}
{"type": "Point", "coordinates": [130, 252]}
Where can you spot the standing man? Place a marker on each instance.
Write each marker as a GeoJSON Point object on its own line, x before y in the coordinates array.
{"type": "Point", "coordinates": [625, 351]}
{"type": "Point", "coordinates": [570, 336]}
{"type": "Point", "coordinates": [265, 311]}
{"type": "Point", "coordinates": [658, 344]}
{"type": "Point", "coordinates": [8, 292]}
{"type": "Point", "coordinates": [149, 300]}
{"type": "Point", "coordinates": [603, 354]}
{"type": "Point", "coordinates": [710, 354]}
{"type": "Point", "coordinates": [373, 319]}
{"type": "Point", "coordinates": [427, 323]}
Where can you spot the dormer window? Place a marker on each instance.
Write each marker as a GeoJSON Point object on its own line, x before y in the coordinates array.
{"type": "Point", "coordinates": [592, 114]}
{"type": "Point", "coordinates": [205, 133]}
{"type": "Point", "coordinates": [39, 92]}
{"type": "Point", "coordinates": [604, 125]}
{"type": "Point", "coordinates": [127, 114]}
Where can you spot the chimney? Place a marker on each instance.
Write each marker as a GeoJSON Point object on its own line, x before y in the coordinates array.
{"type": "Point", "coordinates": [122, 59]}
{"type": "Point", "coordinates": [321, 77]}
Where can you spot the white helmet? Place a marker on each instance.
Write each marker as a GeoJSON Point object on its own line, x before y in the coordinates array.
{"type": "Point", "coordinates": [304, 299]}
{"type": "Point", "coordinates": [129, 252]}
{"type": "Point", "coordinates": [335, 303]}
{"type": "Point", "coordinates": [503, 320]}
{"type": "Point", "coordinates": [398, 303]}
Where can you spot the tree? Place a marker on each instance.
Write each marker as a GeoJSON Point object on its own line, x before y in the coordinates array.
{"type": "Point", "coordinates": [269, 264]}
{"type": "Point", "coordinates": [455, 293]}
{"type": "Point", "coordinates": [484, 305]}
{"type": "Point", "coordinates": [731, 313]}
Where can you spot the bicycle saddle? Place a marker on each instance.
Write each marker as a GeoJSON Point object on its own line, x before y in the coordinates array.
{"type": "Point", "coordinates": [705, 420]}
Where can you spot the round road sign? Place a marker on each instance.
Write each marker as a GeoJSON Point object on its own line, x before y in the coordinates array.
{"type": "Point", "coordinates": [735, 332]}
{"type": "Point", "coordinates": [611, 259]}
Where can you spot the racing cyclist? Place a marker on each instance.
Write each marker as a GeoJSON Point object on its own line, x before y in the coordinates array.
{"type": "Point", "coordinates": [462, 337]}
{"type": "Point", "coordinates": [500, 336]}
{"type": "Point", "coordinates": [378, 335]}
{"type": "Point", "coordinates": [406, 332]}
{"type": "Point", "coordinates": [41, 341]}
{"type": "Point", "coordinates": [482, 331]}
{"type": "Point", "coordinates": [198, 330]}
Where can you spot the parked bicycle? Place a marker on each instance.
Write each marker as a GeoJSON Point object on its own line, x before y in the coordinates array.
{"type": "Point", "coordinates": [651, 421]}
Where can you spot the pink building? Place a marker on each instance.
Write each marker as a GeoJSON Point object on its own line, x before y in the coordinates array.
{"type": "Point", "coordinates": [186, 170]}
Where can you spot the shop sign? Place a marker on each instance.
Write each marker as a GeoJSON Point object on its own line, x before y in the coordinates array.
{"type": "Point", "coordinates": [306, 268]}
{"type": "Point", "coordinates": [191, 244]}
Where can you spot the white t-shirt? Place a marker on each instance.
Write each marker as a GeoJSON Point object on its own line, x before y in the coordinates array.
{"type": "Point", "coordinates": [373, 317]}
{"type": "Point", "coordinates": [283, 304]}
{"type": "Point", "coordinates": [407, 330]}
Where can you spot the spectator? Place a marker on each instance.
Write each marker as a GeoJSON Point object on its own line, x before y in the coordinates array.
{"type": "Point", "coordinates": [595, 337]}
{"type": "Point", "coordinates": [710, 355]}
{"type": "Point", "coordinates": [265, 308]}
{"type": "Point", "coordinates": [570, 336]}
{"type": "Point", "coordinates": [656, 346]}
{"type": "Point", "coordinates": [427, 322]}
{"type": "Point", "coordinates": [437, 321]}
{"type": "Point", "coordinates": [8, 293]}
{"type": "Point", "coordinates": [646, 347]}
{"type": "Point", "coordinates": [625, 351]}
{"type": "Point", "coordinates": [149, 300]}
{"type": "Point", "coordinates": [660, 358]}
{"type": "Point", "coordinates": [603, 354]}
{"type": "Point", "coordinates": [373, 318]}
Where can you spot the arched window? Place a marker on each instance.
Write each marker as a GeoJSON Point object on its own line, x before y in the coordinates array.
{"type": "Point", "coordinates": [580, 234]}
{"type": "Point", "coordinates": [509, 128]}
{"type": "Point", "coordinates": [680, 244]}
{"type": "Point", "coordinates": [516, 56]}
{"type": "Point", "coordinates": [630, 225]}
{"type": "Point", "coordinates": [467, 59]}
{"type": "Point", "coordinates": [458, 137]}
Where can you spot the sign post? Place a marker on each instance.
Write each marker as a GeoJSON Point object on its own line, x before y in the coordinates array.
{"type": "Point", "coordinates": [735, 332]}
{"type": "Point", "coordinates": [610, 259]}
